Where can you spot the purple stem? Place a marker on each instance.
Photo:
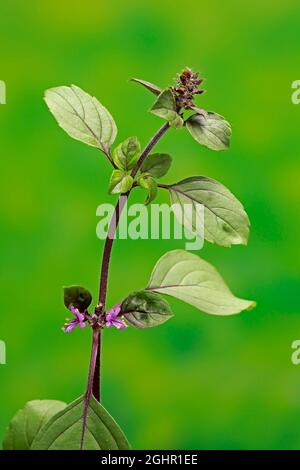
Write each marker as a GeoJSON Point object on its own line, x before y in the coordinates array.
{"type": "Point", "coordinates": [108, 248]}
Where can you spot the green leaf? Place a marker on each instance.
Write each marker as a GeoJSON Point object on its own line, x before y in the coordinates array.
{"type": "Point", "coordinates": [120, 182]}
{"type": "Point", "coordinates": [82, 116]}
{"type": "Point", "coordinates": [153, 88]}
{"type": "Point", "coordinates": [78, 297]}
{"type": "Point", "coordinates": [157, 164]}
{"type": "Point", "coordinates": [225, 220]}
{"type": "Point", "coordinates": [127, 153]}
{"type": "Point", "coordinates": [148, 183]}
{"type": "Point", "coordinates": [28, 421]}
{"type": "Point", "coordinates": [146, 309]}
{"type": "Point", "coordinates": [210, 130]}
{"type": "Point", "coordinates": [165, 107]}
{"type": "Point", "coordinates": [64, 430]}
{"type": "Point", "coordinates": [191, 279]}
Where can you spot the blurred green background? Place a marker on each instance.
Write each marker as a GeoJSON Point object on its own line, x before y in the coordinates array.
{"type": "Point", "coordinates": [198, 382]}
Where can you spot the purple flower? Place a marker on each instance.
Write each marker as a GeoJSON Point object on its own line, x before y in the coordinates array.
{"type": "Point", "coordinates": [111, 318]}
{"type": "Point", "coordinates": [78, 320]}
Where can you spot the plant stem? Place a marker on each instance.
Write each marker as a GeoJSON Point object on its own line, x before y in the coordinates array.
{"type": "Point", "coordinates": [108, 248]}
{"type": "Point", "coordinates": [88, 393]}
{"type": "Point", "coordinates": [149, 147]}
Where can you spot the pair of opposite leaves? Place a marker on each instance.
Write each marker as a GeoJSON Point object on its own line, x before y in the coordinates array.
{"type": "Point", "coordinates": [178, 274]}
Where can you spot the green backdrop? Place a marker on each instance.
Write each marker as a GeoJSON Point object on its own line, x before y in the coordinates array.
{"type": "Point", "coordinates": [198, 382]}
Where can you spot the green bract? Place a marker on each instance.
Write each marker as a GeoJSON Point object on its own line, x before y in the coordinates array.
{"type": "Point", "coordinates": [28, 421]}
{"type": "Point", "coordinates": [210, 130]}
{"type": "Point", "coordinates": [165, 107]}
{"type": "Point", "coordinates": [82, 116]}
{"type": "Point", "coordinates": [126, 154]}
{"type": "Point", "coordinates": [146, 309]}
{"type": "Point", "coordinates": [64, 430]}
{"type": "Point", "coordinates": [189, 278]}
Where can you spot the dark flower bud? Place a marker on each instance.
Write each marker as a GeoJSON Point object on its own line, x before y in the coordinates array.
{"type": "Point", "coordinates": [186, 88]}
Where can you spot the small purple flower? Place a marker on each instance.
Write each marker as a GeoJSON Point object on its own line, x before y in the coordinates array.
{"type": "Point", "coordinates": [78, 320]}
{"type": "Point", "coordinates": [111, 318]}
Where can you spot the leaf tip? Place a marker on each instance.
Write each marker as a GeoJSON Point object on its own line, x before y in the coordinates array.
{"type": "Point", "coordinates": [252, 305]}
